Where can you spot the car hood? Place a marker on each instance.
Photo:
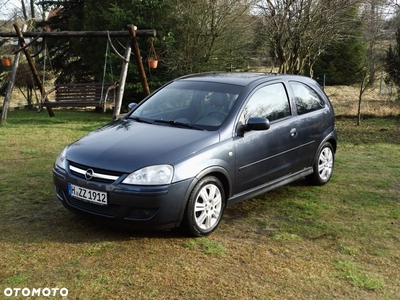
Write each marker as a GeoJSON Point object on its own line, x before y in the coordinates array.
{"type": "Point", "coordinates": [126, 145]}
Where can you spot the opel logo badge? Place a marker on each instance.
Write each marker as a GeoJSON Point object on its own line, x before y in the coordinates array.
{"type": "Point", "coordinates": [89, 174]}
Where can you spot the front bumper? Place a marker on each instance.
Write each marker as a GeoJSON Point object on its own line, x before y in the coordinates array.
{"type": "Point", "coordinates": [144, 207]}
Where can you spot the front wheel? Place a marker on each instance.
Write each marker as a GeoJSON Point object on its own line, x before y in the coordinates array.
{"type": "Point", "coordinates": [205, 207]}
{"type": "Point", "coordinates": [323, 166]}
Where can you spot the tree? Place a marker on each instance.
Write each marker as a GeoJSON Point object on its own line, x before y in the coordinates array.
{"type": "Point", "coordinates": [299, 31]}
{"type": "Point", "coordinates": [7, 12]}
{"type": "Point", "coordinates": [74, 59]}
{"type": "Point", "coordinates": [392, 64]}
{"type": "Point", "coordinates": [343, 60]}
{"type": "Point", "coordinates": [374, 14]}
{"type": "Point", "coordinates": [207, 35]}
{"type": "Point", "coordinates": [19, 10]}
{"type": "Point", "coordinates": [342, 63]}
{"type": "Point", "coordinates": [192, 36]}
{"type": "Point", "coordinates": [149, 14]}
{"type": "Point", "coordinates": [374, 19]}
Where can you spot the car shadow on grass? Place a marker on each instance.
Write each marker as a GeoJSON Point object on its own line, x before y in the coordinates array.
{"type": "Point", "coordinates": [48, 220]}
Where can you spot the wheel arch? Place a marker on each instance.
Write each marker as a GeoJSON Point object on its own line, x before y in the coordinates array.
{"type": "Point", "coordinates": [220, 173]}
{"type": "Point", "coordinates": [331, 139]}
{"type": "Point", "coordinates": [314, 178]}
{"type": "Point", "coordinates": [333, 142]}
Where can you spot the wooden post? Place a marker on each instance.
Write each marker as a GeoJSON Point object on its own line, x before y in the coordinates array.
{"type": "Point", "coordinates": [138, 58]}
{"type": "Point", "coordinates": [32, 66]}
{"type": "Point", "coordinates": [122, 81]}
{"type": "Point", "coordinates": [10, 85]}
{"type": "Point", "coordinates": [10, 88]}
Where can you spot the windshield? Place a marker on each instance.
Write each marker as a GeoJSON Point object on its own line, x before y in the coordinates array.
{"type": "Point", "coordinates": [194, 104]}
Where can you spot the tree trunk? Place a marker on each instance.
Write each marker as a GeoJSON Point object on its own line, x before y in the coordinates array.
{"type": "Point", "coordinates": [363, 87]}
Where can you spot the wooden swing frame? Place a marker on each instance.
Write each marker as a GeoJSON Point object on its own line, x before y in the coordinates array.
{"type": "Point", "coordinates": [132, 33]}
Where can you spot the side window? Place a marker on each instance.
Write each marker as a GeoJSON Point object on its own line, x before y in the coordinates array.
{"type": "Point", "coordinates": [306, 99]}
{"type": "Point", "coordinates": [269, 102]}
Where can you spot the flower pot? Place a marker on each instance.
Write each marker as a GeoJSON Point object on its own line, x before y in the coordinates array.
{"type": "Point", "coordinates": [6, 61]}
{"type": "Point", "coordinates": [152, 63]}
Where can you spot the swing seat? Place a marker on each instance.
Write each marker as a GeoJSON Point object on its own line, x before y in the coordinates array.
{"type": "Point", "coordinates": [92, 94]}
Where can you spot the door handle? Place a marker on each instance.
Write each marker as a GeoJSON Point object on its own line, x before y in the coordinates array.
{"type": "Point", "coordinates": [293, 132]}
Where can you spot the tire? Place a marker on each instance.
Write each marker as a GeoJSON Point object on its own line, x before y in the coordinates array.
{"type": "Point", "coordinates": [323, 166]}
{"type": "Point", "coordinates": [205, 207]}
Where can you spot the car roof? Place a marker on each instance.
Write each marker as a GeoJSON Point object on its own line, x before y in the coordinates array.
{"type": "Point", "coordinates": [242, 79]}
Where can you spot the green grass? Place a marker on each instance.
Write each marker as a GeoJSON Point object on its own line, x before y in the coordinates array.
{"type": "Point", "coordinates": [206, 246]}
{"type": "Point", "coordinates": [338, 241]}
{"type": "Point", "coordinates": [351, 272]}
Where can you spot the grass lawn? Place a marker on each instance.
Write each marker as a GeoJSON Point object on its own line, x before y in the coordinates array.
{"type": "Point", "coordinates": [338, 241]}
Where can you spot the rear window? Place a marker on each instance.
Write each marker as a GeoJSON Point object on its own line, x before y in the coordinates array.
{"type": "Point", "coordinates": [306, 99]}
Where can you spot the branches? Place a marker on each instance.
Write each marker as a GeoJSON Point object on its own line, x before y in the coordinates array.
{"type": "Point", "coordinates": [297, 30]}
{"type": "Point", "coordinates": [207, 34]}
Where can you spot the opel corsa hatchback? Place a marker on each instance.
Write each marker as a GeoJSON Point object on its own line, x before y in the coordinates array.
{"type": "Point", "coordinates": [198, 144]}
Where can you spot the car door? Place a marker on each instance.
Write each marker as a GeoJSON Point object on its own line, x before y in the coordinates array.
{"type": "Point", "coordinates": [267, 155]}
{"type": "Point", "coordinates": [314, 117]}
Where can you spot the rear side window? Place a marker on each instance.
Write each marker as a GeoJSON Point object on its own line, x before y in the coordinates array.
{"type": "Point", "coordinates": [306, 99]}
{"type": "Point", "coordinates": [269, 102]}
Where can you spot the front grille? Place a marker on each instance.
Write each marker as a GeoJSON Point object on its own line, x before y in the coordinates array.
{"type": "Point", "coordinates": [110, 210]}
{"type": "Point", "coordinates": [101, 175]}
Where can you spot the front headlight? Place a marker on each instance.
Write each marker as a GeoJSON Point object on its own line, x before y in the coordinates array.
{"type": "Point", "coordinates": [61, 160]}
{"type": "Point", "coordinates": [153, 175]}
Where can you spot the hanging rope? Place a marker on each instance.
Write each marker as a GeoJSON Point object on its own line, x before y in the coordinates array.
{"type": "Point", "coordinates": [46, 56]}
{"type": "Point", "coordinates": [113, 48]}
{"type": "Point", "coordinates": [152, 59]}
{"type": "Point", "coordinates": [44, 61]}
{"type": "Point", "coordinates": [110, 63]}
{"type": "Point", "coordinates": [152, 51]}
{"type": "Point", "coordinates": [104, 70]}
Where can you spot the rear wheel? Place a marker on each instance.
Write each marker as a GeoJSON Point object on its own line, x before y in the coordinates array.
{"type": "Point", "coordinates": [205, 207]}
{"type": "Point", "coordinates": [323, 166]}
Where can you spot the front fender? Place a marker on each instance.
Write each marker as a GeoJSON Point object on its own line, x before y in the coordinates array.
{"type": "Point", "coordinates": [217, 171]}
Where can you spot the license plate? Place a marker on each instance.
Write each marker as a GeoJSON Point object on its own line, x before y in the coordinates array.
{"type": "Point", "coordinates": [87, 195]}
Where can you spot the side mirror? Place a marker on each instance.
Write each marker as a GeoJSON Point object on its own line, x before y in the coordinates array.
{"type": "Point", "coordinates": [132, 105]}
{"type": "Point", "coordinates": [258, 123]}
{"type": "Point", "coordinates": [254, 123]}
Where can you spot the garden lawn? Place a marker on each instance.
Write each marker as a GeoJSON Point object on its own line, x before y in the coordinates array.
{"type": "Point", "coordinates": [338, 241]}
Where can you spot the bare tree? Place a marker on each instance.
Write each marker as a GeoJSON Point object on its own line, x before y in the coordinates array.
{"type": "Point", "coordinates": [205, 32]}
{"type": "Point", "coordinates": [375, 13]}
{"type": "Point", "coordinates": [3, 6]}
{"type": "Point", "coordinates": [299, 31]}
{"type": "Point", "coordinates": [395, 3]}
{"type": "Point", "coordinates": [23, 10]}
{"type": "Point", "coordinates": [7, 13]}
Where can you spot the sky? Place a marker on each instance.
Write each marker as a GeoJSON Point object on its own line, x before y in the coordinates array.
{"type": "Point", "coordinates": [7, 6]}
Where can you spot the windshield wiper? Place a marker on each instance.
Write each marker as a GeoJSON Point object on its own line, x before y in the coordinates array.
{"type": "Point", "coordinates": [178, 124]}
{"type": "Point", "coordinates": [140, 120]}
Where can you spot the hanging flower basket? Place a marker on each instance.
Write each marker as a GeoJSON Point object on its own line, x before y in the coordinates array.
{"type": "Point", "coordinates": [153, 63]}
{"type": "Point", "coordinates": [6, 61]}
{"type": "Point", "coordinates": [152, 59]}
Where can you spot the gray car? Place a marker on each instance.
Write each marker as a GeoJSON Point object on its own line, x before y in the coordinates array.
{"type": "Point", "coordinates": [197, 145]}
